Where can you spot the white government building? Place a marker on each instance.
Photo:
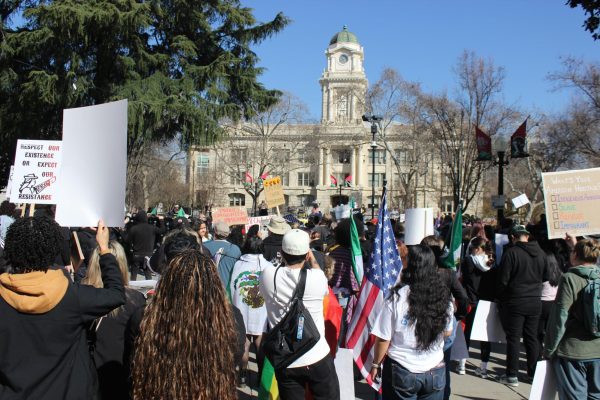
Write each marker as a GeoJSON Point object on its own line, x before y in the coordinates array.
{"type": "Point", "coordinates": [307, 155]}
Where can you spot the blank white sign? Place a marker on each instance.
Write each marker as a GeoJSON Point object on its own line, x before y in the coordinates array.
{"type": "Point", "coordinates": [486, 325]}
{"type": "Point", "coordinates": [94, 165]}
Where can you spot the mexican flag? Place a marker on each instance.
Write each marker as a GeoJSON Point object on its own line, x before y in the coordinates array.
{"type": "Point", "coordinates": [357, 261]}
{"type": "Point", "coordinates": [454, 242]}
{"type": "Point", "coordinates": [181, 213]}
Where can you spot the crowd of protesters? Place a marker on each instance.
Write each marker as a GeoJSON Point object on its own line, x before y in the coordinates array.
{"type": "Point", "coordinates": [85, 332]}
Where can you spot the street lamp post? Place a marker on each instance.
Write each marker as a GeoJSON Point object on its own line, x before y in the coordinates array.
{"type": "Point", "coordinates": [373, 119]}
{"type": "Point", "coordinates": [501, 162]}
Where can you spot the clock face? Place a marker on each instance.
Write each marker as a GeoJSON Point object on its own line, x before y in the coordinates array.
{"type": "Point", "coordinates": [343, 59]}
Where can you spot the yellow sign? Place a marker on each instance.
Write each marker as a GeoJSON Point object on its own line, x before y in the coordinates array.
{"type": "Point", "coordinates": [571, 199]}
{"type": "Point", "coordinates": [274, 191]}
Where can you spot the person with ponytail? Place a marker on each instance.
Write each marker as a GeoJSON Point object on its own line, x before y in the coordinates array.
{"type": "Point", "coordinates": [410, 331]}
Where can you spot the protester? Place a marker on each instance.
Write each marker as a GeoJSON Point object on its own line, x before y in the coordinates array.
{"type": "Point", "coordinates": [573, 348]}
{"type": "Point", "coordinates": [314, 368]}
{"type": "Point", "coordinates": [478, 281]}
{"type": "Point", "coordinates": [245, 295]}
{"type": "Point", "coordinates": [410, 332]}
{"type": "Point", "coordinates": [184, 349]}
{"type": "Point", "coordinates": [142, 237]}
{"type": "Point", "coordinates": [263, 209]}
{"type": "Point", "coordinates": [159, 260]}
{"type": "Point", "coordinates": [45, 318]}
{"type": "Point", "coordinates": [107, 334]}
{"type": "Point", "coordinates": [549, 290]}
{"type": "Point", "coordinates": [519, 289]}
{"type": "Point", "coordinates": [277, 227]}
{"type": "Point", "coordinates": [343, 282]}
{"type": "Point", "coordinates": [224, 253]}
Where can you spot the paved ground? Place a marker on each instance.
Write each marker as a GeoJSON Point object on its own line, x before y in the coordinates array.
{"type": "Point", "coordinates": [467, 386]}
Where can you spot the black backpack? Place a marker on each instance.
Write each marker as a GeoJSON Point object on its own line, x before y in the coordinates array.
{"type": "Point", "coordinates": [295, 334]}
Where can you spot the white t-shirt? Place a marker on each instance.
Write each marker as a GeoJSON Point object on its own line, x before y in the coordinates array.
{"type": "Point", "coordinates": [314, 292]}
{"type": "Point", "coordinates": [392, 324]}
{"type": "Point", "coordinates": [244, 287]}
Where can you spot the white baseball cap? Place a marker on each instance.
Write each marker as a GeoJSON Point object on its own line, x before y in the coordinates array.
{"type": "Point", "coordinates": [295, 242]}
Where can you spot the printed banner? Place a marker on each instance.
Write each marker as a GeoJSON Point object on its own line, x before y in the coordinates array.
{"type": "Point", "coordinates": [571, 199]}
{"type": "Point", "coordinates": [37, 166]}
{"type": "Point", "coordinates": [230, 215]}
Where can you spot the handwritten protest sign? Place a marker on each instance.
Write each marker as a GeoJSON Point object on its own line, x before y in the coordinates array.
{"type": "Point", "coordinates": [262, 222]}
{"type": "Point", "coordinates": [94, 165]}
{"type": "Point", "coordinates": [230, 215]}
{"type": "Point", "coordinates": [274, 191]}
{"type": "Point", "coordinates": [37, 167]}
{"type": "Point", "coordinates": [571, 199]}
{"type": "Point", "coordinates": [486, 325]}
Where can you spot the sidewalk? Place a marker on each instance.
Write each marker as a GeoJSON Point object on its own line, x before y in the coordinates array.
{"type": "Point", "coordinates": [467, 386]}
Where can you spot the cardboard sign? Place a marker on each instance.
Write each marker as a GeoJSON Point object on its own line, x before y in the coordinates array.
{"type": "Point", "coordinates": [37, 166]}
{"type": "Point", "coordinates": [571, 199]}
{"type": "Point", "coordinates": [544, 382]}
{"type": "Point", "coordinates": [274, 192]}
{"type": "Point", "coordinates": [94, 165]}
{"type": "Point", "coordinates": [419, 223]}
{"type": "Point", "coordinates": [230, 215]}
{"type": "Point", "coordinates": [520, 201]}
{"type": "Point", "coordinates": [486, 325]}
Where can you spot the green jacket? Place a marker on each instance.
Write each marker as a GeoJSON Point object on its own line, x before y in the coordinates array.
{"type": "Point", "coordinates": [566, 335]}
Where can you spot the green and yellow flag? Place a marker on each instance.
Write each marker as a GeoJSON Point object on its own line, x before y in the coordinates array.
{"type": "Point", "coordinates": [268, 389]}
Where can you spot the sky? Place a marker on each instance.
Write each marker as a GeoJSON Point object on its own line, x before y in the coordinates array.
{"type": "Point", "coordinates": [423, 41]}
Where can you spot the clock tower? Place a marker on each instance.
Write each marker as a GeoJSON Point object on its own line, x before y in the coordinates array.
{"type": "Point", "coordinates": [343, 83]}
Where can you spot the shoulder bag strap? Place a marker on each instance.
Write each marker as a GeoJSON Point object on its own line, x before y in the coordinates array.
{"type": "Point", "coordinates": [299, 292]}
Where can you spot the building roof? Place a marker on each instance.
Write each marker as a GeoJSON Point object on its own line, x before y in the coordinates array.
{"type": "Point", "coordinates": [344, 36]}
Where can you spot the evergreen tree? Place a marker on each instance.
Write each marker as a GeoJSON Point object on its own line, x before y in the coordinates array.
{"type": "Point", "coordinates": [184, 65]}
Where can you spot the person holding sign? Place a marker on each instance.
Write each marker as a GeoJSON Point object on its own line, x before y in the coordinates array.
{"type": "Point", "coordinates": [45, 317]}
{"type": "Point", "coordinates": [572, 339]}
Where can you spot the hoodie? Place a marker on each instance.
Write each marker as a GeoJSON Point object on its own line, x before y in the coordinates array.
{"type": "Point", "coordinates": [521, 273]}
{"type": "Point", "coordinates": [566, 335]}
{"type": "Point", "coordinates": [43, 326]}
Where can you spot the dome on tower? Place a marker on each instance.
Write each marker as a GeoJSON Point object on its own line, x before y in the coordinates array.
{"type": "Point", "coordinates": [344, 36]}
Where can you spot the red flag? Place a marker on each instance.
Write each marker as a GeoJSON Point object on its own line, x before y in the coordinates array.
{"type": "Point", "coordinates": [518, 142]}
{"type": "Point", "coordinates": [333, 180]}
{"type": "Point", "coordinates": [248, 177]}
{"type": "Point", "coordinates": [264, 176]}
{"type": "Point", "coordinates": [484, 145]}
{"type": "Point", "coordinates": [348, 180]}
{"type": "Point", "coordinates": [332, 312]}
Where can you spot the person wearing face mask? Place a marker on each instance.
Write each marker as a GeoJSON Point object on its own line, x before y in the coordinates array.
{"type": "Point", "coordinates": [477, 275]}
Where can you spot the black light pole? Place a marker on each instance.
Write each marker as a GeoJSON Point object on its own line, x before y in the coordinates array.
{"type": "Point", "coordinates": [373, 119]}
{"type": "Point", "coordinates": [502, 162]}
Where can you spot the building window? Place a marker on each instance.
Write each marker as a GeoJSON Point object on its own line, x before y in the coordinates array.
{"type": "Point", "coordinates": [341, 156]}
{"type": "Point", "coordinates": [202, 163]}
{"type": "Point", "coordinates": [285, 179]}
{"type": "Point", "coordinates": [239, 155]}
{"type": "Point", "coordinates": [237, 178]}
{"type": "Point", "coordinates": [306, 199]}
{"type": "Point", "coordinates": [379, 178]}
{"type": "Point", "coordinates": [304, 179]}
{"type": "Point", "coordinates": [447, 204]}
{"type": "Point", "coordinates": [380, 156]}
{"type": "Point", "coordinates": [402, 156]}
{"type": "Point", "coordinates": [237, 199]}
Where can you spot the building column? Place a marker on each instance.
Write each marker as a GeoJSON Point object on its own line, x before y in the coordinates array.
{"type": "Point", "coordinates": [323, 103]}
{"type": "Point", "coordinates": [327, 167]}
{"type": "Point", "coordinates": [329, 104]}
{"type": "Point", "coordinates": [353, 165]}
{"type": "Point", "coordinates": [357, 166]}
{"type": "Point", "coordinates": [320, 167]}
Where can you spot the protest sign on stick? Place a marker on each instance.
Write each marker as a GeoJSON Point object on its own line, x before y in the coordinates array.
{"type": "Point", "coordinates": [571, 199]}
{"type": "Point", "coordinates": [274, 192]}
{"type": "Point", "coordinates": [37, 168]}
{"type": "Point", "coordinates": [94, 165]}
{"type": "Point", "coordinates": [486, 325]}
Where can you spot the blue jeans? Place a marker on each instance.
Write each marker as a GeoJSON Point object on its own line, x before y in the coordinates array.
{"type": "Point", "coordinates": [577, 379]}
{"type": "Point", "coordinates": [401, 384]}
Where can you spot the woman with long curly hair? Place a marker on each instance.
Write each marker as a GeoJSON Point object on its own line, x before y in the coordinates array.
{"type": "Point", "coordinates": [185, 347]}
{"type": "Point", "coordinates": [410, 330]}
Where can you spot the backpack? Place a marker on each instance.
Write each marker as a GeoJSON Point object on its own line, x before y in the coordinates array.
{"type": "Point", "coordinates": [591, 303]}
{"type": "Point", "coordinates": [295, 334]}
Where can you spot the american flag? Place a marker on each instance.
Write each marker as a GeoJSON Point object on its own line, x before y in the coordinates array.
{"type": "Point", "coordinates": [380, 277]}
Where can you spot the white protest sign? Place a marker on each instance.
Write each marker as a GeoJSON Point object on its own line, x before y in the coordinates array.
{"type": "Point", "coordinates": [419, 223]}
{"type": "Point", "coordinates": [344, 367]}
{"type": "Point", "coordinates": [486, 325]}
{"type": "Point", "coordinates": [37, 166]}
{"type": "Point", "coordinates": [262, 222]}
{"type": "Point", "coordinates": [501, 241]}
{"type": "Point", "coordinates": [544, 382]}
{"type": "Point", "coordinates": [10, 181]}
{"type": "Point", "coordinates": [520, 201]}
{"type": "Point", "coordinates": [94, 165]}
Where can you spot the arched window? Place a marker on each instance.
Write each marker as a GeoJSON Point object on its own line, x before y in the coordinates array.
{"type": "Point", "coordinates": [237, 199]}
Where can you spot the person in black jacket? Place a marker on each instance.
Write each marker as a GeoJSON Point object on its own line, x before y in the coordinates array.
{"type": "Point", "coordinates": [272, 244]}
{"type": "Point", "coordinates": [45, 317]}
{"type": "Point", "coordinates": [107, 334]}
{"type": "Point", "coordinates": [142, 237]}
{"type": "Point", "coordinates": [519, 289]}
